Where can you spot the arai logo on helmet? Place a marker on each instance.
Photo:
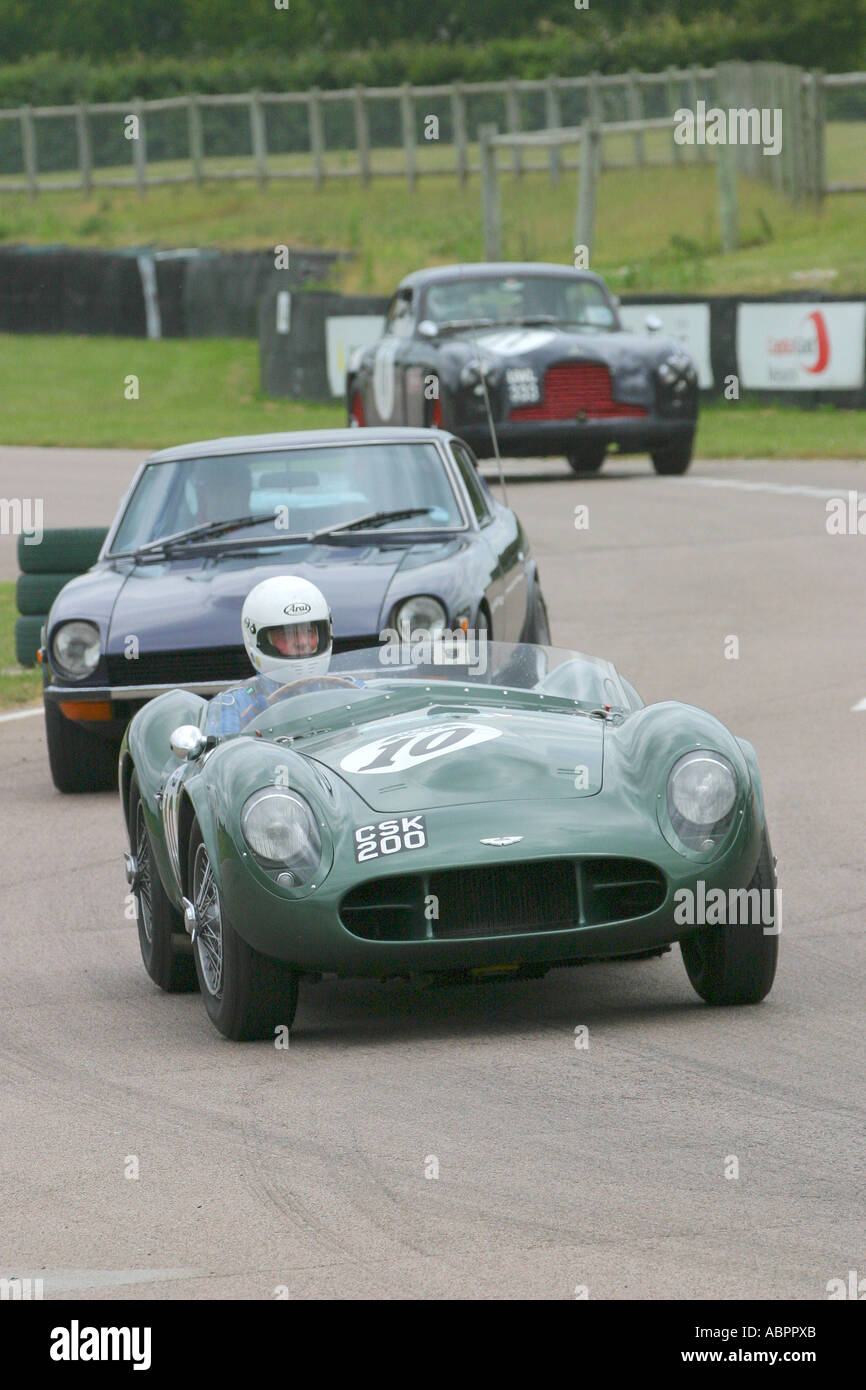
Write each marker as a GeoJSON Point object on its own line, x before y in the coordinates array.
{"type": "Point", "coordinates": [294, 608]}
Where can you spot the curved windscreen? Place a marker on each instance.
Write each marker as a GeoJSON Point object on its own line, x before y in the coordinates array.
{"type": "Point", "coordinates": [295, 491]}
{"type": "Point", "coordinates": [451, 668]}
{"type": "Point", "coordinates": [486, 300]}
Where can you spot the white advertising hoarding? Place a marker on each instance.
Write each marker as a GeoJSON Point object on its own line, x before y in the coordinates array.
{"type": "Point", "coordinates": [344, 333]}
{"type": "Point", "coordinates": [688, 323]}
{"type": "Point", "coordinates": [801, 347]}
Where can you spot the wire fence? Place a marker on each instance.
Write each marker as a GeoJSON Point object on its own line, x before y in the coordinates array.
{"type": "Point", "coordinates": [403, 132]}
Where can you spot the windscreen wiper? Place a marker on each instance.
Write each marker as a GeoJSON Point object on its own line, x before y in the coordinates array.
{"type": "Point", "coordinates": [371, 519]}
{"type": "Point", "coordinates": [205, 530]}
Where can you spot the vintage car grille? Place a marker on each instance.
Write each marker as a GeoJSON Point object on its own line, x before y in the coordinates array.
{"type": "Point", "coordinates": [573, 389]}
{"type": "Point", "coordinates": [503, 899]}
{"type": "Point", "coordinates": [201, 666]}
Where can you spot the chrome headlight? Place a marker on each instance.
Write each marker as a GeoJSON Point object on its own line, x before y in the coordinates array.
{"type": "Point", "coordinates": [421, 612]}
{"type": "Point", "coordinates": [75, 649]}
{"type": "Point", "coordinates": [677, 368]}
{"type": "Point", "coordinates": [470, 375]}
{"type": "Point", "coordinates": [282, 833]}
{"type": "Point", "coordinates": [702, 795]}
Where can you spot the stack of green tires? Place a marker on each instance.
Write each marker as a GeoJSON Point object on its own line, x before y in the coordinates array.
{"type": "Point", "coordinates": [45, 568]}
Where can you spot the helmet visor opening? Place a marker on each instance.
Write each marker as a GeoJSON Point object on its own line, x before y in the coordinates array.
{"type": "Point", "coordinates": [295, 641]}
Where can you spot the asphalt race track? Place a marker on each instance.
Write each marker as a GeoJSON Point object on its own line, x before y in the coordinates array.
{"type": "Point", "coordinates": [559, 1168]}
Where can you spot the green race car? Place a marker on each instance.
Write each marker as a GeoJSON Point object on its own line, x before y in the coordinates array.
{"type": "Point", "coordinates": [460, 809]}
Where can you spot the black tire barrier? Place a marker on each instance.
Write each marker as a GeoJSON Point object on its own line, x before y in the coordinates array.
{"type": "Point", "coordinates": [27, 638]}
{"type": "Point", "coordinates": [62, 552]}
{"type": "Point", "coordinates": [35, 593]}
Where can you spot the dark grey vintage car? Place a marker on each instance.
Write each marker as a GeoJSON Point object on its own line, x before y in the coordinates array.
{"type": "Point", "coordinates": [396, 527]}
{"type": "Point", "coordinates": [562, 375]}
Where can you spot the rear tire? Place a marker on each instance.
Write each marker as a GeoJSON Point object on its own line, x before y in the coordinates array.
{"type": "Point", "coordinates": [247, 995]}
{"type": "Point", "coordinates": [674, 459]}
{"type": "Point", "coordinates": [736, 964]}
{"type": "Point", "coordinates": [79, 760]}
{"type": "Point", "coordinates": [161, 935]}
{"type": "Point", "coordinates": [588, 460]}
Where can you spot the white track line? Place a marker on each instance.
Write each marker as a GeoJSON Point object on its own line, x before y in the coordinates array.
{"type": "Point", "coordinates": [19, 714]}
{"type": "Point", "coordinates": [788, 489]}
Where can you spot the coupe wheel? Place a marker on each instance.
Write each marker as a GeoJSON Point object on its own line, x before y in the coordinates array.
{"type": "Point", "coordinates": [736, 964]}
{"type": "Point", "coordinates": [674, 459]}
{"type": "Point", "coordinates": [247, 995]}
{"type": "Point", "coordinates": [537, 625]}
{"type": "Point", "coordinates": [80, 761]}
{"type": "Point", "coordinates": [588, 460]}
{"type": "Point", "coordinates": [161, 937]}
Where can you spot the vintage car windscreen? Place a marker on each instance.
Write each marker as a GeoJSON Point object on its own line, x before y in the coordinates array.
{"type": "Point", "coordinates": [297, 490]}
{"type": "Point", "coordinates": [508, 299]}
{"type": "Point", "coordinates": [492, 673]}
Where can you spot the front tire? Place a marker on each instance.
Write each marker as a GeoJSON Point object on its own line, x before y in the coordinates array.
{"type": "Point", "coordinates": [589, 460]}
{"type": "Point", "coordinates": [736, 964]}
{"type": "Point", "coordinates": [674, 459]}
{"type": "Point", "coordinates": [247, 995]}
{"type": "Point", "coordinates": [537, 627]}
{"type": "Point", "coordinates": [161, 935]}
{"type": "Point", "coordinates": [80, 761]}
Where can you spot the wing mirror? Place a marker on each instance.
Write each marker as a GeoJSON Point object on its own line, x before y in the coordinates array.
{"type": "Point", "coordinates": [188, 743]}
{"type": "Point", "coordinates": [653, 323]}
{"type": "Point", "coordinates": [428, 329]}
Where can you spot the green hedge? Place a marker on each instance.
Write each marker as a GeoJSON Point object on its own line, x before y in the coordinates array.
{"type": "Point", "coordinates": [832, 36]}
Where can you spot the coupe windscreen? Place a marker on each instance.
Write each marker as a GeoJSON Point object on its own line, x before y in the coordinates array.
{"type": "Point", "coordinates": [297, 491]}
{"type": "Point", "coordinates": [490, 299]}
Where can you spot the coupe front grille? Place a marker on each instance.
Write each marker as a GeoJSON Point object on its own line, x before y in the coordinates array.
{"type": "Point", "coordinates": [503, 899]}
{"type": "Point", "coordinates": [576, 389]}
{"type": "Point", "coordinates": [198, 666]}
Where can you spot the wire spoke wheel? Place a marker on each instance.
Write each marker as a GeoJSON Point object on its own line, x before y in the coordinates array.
{"type": "Point", "coordinates": [209, 932]}
{"type": "Point", "coordinates": [143, 888]}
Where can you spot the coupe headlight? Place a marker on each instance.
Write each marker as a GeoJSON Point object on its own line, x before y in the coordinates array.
{"type": "Point", "coordinates": [702, 794]}
{"type": "Point", "coordinates": [75, 649]}
{"type": "Point", "coordinates": [282, 833]}
{"type": "Point", "coordinates": [422, 612]}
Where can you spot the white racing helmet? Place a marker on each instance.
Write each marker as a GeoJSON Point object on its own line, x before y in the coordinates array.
{"type": "Point", "coordinates": [286, 625]}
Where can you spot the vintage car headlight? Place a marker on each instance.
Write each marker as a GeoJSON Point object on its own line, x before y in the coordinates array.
{"type": "Point", "coordinates": [75, 649]}
{"type": "Point", "coordinates": [282, 833]}
{"type": "Point", "coordinates": [702, 794]}
{"type": "Point", "coordinates": [678, 369]}
{"type": "Point", "coordinates": [470, 375]}
{"type": "Point", "coordinates": [421, 612]}
{"type": "Point", "coordinates": [523, 388]}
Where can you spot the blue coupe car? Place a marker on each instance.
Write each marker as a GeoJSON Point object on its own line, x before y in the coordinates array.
{"type": "Point", "coordinates": [395, 526]}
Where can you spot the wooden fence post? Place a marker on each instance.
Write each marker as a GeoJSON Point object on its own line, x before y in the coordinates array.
{"type": "Point", "coordinates": [587, 187]}
{"type": "Point", "coordinates": [258, 138]}
{"type": "Point", "coordinates": [85, 155]}
{"type": "Point", "coordinates": [458, 121]}
{"type": "Point", "coordinates": [635, 113]}
{"type": "Point", "coordinates": [491, 206]}
{"type": "Point", "coordinates": [553, 116]}
{"type": "Point", "coordinates": [362, 135]}
{"type": "Point", "coordinates": [407, 120]}
{"type": "Point", "coordinates": [819, 132]}
{"type": "Point", "coordinates": [673, 93]}
{"type": "Point", "coordinates": [28, 146]}
{"type": "Point", "coordinates": [196, 138]}
{"type": "Point", "coordinates": [317, 136]}
{"type": "Point", "coordinates": [512, 108]}
{"type": "Point", "coordinates": [139, 149]}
